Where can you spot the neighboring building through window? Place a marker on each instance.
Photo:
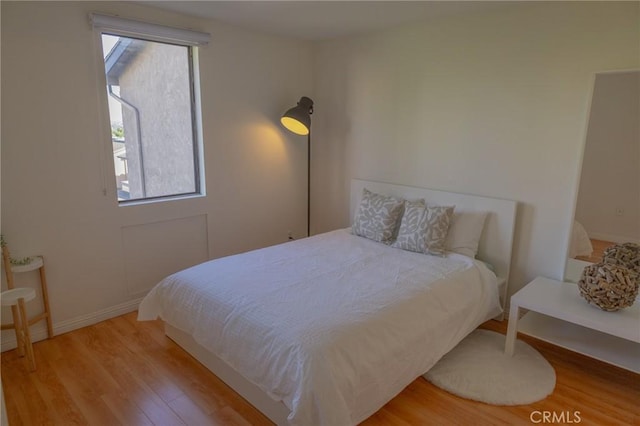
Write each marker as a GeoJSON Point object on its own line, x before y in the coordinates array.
{"type": "Point", "coordinates": [152, 111]}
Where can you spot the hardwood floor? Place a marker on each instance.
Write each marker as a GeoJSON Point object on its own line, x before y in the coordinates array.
{"type": "Point", "coordinates": [599, 246]}
{"type": "Point", "coordinates": [126, 372]}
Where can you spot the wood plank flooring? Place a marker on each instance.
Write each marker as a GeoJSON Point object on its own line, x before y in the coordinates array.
{"type": "Point", "coordinates": [599, 246]}
{"type": "Point", "coordinates": [122, 371]}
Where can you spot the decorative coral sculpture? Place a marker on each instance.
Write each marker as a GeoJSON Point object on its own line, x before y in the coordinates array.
{"type": "Point", "coordinates": [627, 255]}
{"type": "Point", "coordinates": [613, 284]}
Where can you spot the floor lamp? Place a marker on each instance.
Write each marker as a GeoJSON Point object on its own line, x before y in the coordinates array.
{"type": "Point", "coordinates": [298, 121]}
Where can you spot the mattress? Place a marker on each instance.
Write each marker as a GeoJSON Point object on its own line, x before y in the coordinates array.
{"type": "Point", "coordinates": [335, 325]}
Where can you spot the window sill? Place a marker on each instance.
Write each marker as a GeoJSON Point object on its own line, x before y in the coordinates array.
{"type": "Point", "coordinates": [127, 203]}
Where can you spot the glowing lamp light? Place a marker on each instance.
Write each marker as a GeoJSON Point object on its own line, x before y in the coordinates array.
{"type": "Point", "coordinates": [294, 126]}
{"type": "Point", "coordinates": [298, 118]}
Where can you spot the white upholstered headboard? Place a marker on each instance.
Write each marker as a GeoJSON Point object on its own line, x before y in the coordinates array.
{"type": "Point", "coordinates": [496, 242]}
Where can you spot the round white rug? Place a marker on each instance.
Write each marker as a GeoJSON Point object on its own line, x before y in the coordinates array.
{"type": "Point", "coordinates": [478, 369]}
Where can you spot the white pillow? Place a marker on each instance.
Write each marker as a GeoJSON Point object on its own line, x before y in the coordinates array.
{"type": "Point", "coordinates": [465, 232]}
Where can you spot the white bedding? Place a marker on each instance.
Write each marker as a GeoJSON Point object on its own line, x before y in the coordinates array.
{"type": "Point", "coordinates": [334, 325]}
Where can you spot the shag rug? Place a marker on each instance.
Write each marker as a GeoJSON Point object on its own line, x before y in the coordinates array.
{"type": "Point", "coordinates": [478, 369]}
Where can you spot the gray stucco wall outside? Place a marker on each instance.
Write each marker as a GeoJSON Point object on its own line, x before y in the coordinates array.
{"type": "Point", "coordinates": [157, 84]}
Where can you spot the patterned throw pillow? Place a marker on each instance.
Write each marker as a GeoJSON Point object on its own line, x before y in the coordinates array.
{"type": "Point", "coordinates": [377, 217]}
{"type": "Point", "coordinates": [424, 228]}
{"type": "Point", "coordinates": [438, 221]}
{"type": "Point", "coordinates": [412, 227]}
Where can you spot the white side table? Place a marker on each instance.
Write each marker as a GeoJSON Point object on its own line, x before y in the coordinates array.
{"type": "Point", "coordinates": [559, 315]}
{"type": "Point", "coordinates": [16, 298]}
{"type": "Point", "coordinates": [34, 263]}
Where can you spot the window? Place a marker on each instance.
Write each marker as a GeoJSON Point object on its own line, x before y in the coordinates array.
{"type": "Point", "coordinates": [151, 91]}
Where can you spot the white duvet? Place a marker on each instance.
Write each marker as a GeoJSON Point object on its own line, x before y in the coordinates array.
{"type": "Point", "coordinates": [334, 325]}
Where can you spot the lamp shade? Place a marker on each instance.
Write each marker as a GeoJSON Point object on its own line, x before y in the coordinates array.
{"type": "Point", "coordinates": [298, 118]}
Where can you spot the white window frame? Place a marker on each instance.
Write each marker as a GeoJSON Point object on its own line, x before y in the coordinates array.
{"type": "Point", "coordinates": [114, 25]}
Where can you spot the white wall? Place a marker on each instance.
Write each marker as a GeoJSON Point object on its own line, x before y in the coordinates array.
{"type": "Point", "coordinates": [493, 104]}
{"type": "Point", "coordinates": [486, 103]}
{"type": "Point", "coordinates": [56, 158]}
{"type": "Point", "coordinates": [608, 203]}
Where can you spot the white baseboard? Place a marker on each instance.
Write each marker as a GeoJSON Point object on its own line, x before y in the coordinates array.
{"type": "Point", "coordinates": [9, 341]}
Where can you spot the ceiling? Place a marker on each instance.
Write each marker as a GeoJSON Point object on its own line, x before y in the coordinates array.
{"type": "Point", "coordinates": [320, 20]}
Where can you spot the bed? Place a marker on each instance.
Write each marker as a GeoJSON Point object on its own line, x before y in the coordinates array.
{"type": "Point", "coordinates": [325, 330]}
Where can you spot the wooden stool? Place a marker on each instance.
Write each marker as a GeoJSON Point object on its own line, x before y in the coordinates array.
{"type": "Point", "coordinates": [35, 262]}
{"type": "Point", "coordinates": [16, 298]}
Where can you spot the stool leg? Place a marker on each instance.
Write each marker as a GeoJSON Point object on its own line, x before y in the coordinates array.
{"type": "Point", "coordinates": [26, 335]}
{"type": "Point", "coordinates": [6, 263]}
{"type": "Point", "coordinates": [16, 326]}
{"type": "Point", "coordinates": [45, 299]}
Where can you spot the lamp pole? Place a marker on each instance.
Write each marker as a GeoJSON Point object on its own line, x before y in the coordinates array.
{"type": "Point", "coordinates": [309, 183]}
{"type": "Point", "coordinates": [298, 121]}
